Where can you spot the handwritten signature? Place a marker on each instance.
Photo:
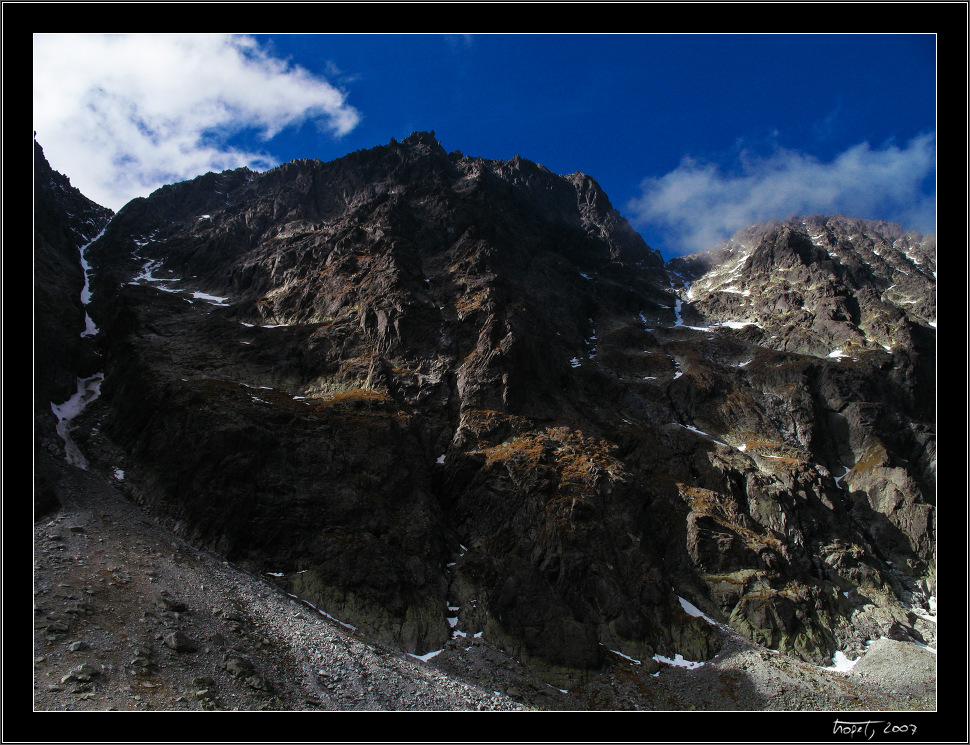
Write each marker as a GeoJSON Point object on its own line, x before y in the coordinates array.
{"type": "Point", "coordinates": [870, 728]}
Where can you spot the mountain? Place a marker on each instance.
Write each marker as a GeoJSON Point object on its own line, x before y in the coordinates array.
{"type": "Point", "coordinates": [64, 221]}
{"type": "Point", "coordinates": [441, 396]}
{"type": "Point", "coordinates": [821, 286]}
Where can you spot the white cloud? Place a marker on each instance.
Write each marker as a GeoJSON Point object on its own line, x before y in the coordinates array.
{"type": "Point", "coordinates": [698, 205]}
{"type": "Point", "coordinates": [124, 114]}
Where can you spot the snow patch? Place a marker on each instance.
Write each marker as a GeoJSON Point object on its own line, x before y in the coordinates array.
{"type": "Point", "coordinates": [324, 613]}
{"type": "Point", "coordinates": [88, 389]}
{"type": "Point", "coordinates": [927, 615]}
{"type": "Point", "coordinates": [591, 342]}
{"type": "Point", "coordinates": [841, 663]}
{"type": "Point", "coordinates": [678, 318]}
{"type": "Point", "coordinates": [427, 656]}
{"type": "Point", "coordinates": [735, 291]}
{"type": "Point", "coordinates": [702, 434]}
{"type": "Point", "coordinates": [214, 299]}
{"type": "Point", "coordinates": [147, 273]}
{"type": "Point", "coordinates": [694, 611]}
{"type": "Point", "coordinates": [89, 328]}
{"type": "Point", "coordinates": [625, 657]}
{"type": "Point", "coordinates": [838, 479]}
{"type": "Point", "coordinates": [678, 661]}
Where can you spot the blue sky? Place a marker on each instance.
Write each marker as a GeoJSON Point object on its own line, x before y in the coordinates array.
{"type": "Point", "coordinates": [691, 136]}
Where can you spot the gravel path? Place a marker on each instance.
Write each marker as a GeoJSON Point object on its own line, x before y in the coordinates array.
{"type": "Point", "coordinates": [127, 616]}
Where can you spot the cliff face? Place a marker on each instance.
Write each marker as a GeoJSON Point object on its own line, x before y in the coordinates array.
{"type": "Point", "coordinates": [64, 222]}
{"type": "Point", "coordinates": [443, 395]}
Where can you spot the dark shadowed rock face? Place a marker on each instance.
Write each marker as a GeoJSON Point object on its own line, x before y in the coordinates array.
{"type": "Point", "coordinates": [64, 221]}
{"type": "Point", "coordinates": [445, 395]}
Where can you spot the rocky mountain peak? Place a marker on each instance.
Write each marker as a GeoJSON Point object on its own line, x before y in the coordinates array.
{"type": "Point", "coordinates": [423, 142]}
{"type": "Point", "coordinates": [818, 284]}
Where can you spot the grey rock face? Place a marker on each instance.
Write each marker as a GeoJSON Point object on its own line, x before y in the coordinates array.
{"type": "Point", "coordinates": [819, 285]}
{"type": "Point", "coordinates": [438, 395]}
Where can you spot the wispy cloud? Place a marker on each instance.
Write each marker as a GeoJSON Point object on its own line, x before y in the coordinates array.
{"type": "Point", "coordinates": [459, 41]}
{"type": "Point", "coordinates": [124, 114]}
{"type": "Point", "coordinates": [698, 205]}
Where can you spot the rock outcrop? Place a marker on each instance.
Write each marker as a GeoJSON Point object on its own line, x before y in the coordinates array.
{"type": "Point", "coordinates": [440, 395]}
{"type": "Point", "coordinates": [64, 222]}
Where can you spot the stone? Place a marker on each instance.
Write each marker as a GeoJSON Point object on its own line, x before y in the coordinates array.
{"type": "Point", "coordinates": [81, 673]}
{"type": "Point", "coordinates": [259, 683]}
{"type": "Point", "coordinates": [179, 641]}
{"type": "Point", "coordinates": [170, 603]}
{"type": "Point", "coordinates": [56, 628]}
{"type": "Point", "coordinates": [238, 666]}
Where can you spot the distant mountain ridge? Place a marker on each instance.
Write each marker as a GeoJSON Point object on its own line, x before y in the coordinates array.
{"type": "Point", "coordinates": [872, 275]}
{"type": "Point", "coordinates": [447, 395]}
{"type": "Point", "coordinates": [824, 286]}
